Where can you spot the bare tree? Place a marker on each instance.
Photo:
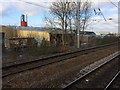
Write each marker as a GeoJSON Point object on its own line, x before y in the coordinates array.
{"type": "Point", "coordinates": [85, 16]}
{"type": "Point", "coordinates": [61, 10]}
{"type": "Point", "coordinates": [66, 13]}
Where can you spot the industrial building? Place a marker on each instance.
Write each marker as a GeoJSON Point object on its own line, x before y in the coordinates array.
{"type": "Point", "coordinates": [21, 35]}
{"type": "Point", "coordinates": [38, 35]}
{"type": "Point", "coordinates": [10, 33]}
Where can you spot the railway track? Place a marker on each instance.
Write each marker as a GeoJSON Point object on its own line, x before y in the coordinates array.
{"type": "Point", "coordinates": [114, 82]}
{"type": "Point", "coordinates": [89, 77]}
{"type": "Point", "coordinates": [21, 67]}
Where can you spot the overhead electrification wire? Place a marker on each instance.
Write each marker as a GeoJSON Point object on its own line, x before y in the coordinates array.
{"type": "Point", "coordinates": [99, 12]}
{"type": "Point", "coordinates": [48, 7]}
{"type": "Point", "coordinates": [34, 4]}
{"type": "Point", "coordinates": [113, 3]}
{"type": "Point", "coordinates": [102, 14]}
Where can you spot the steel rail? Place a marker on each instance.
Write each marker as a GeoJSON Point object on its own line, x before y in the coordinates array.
{"type": "Point", "coordinates": [60, 54]}
{"type": "Point", "coordinates": [47, 60]}
{"type": "Point", "coordinates": [111, 81]}
{"type": "Point", "coordinates": [86, 71]}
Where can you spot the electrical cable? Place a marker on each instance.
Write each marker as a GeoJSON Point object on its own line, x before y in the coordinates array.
{"type": "Point", "coordinates": [34, 4]}
{"type": "Point", "coordinates": [114, 4]}
{"type": "Point", "coordinates": [48, 8]}
{"type": "Point", "coordinates": [102, 14]}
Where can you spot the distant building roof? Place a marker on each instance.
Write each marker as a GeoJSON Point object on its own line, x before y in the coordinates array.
{"type": "Point", "coordinates": [87, 33]}
{"type": "Point", "coordinates": [51, 30]}
{"type": "Point", "coordinates": [28, 28]}
{"type": "Point", "coordinates": [34, 28]}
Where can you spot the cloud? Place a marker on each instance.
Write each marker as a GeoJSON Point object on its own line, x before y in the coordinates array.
{"type": "Point", "coordinates": [20, 5]}
{"type": "Point", "coordinates": [105, 26]}
{"type": "Point", "coordinates": [23, 7]}
{"type": "Point", "coordinates": [109, 11]}
{"type": "Point", "coordinates": [12, 7]}
{"type": "Point", "coordinates": [4, 7]}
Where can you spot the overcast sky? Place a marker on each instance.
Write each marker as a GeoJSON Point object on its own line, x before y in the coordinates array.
{"type": "Point", "coordinates": [11, 10]}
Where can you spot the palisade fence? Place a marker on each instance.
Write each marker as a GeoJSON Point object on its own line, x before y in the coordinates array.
{"type": "Point", "coordinates": [46, 47]}
{"type": "Point", "coordinates": [42, 46]}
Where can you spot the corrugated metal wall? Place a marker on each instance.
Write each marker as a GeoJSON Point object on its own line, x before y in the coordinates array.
{"type": "Point", "coordinates": [10, 32]}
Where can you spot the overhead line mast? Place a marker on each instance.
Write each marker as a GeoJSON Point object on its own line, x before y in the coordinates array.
{"type": "Point", "coordinates": [78, 22]}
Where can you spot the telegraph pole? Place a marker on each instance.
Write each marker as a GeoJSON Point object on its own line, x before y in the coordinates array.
{"type": "Point", "coordinates": [78, 22]}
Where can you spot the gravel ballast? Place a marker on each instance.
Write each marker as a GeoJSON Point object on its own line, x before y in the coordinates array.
{"type": "Point", "coordinates": [56, 74]}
